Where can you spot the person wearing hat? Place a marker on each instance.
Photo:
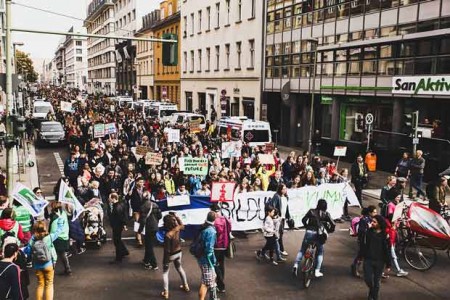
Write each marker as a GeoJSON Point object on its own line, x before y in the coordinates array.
{"type": "Point", "coordinates": [223, 230]}
{"type": "Point", "coordinates": [207, 261]}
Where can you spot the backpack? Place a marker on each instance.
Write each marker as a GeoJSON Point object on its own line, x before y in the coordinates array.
{"type": "Point", "coordinates": [354, 226]}
{"type": "Point", "coordinates": [40, 252]}
{"type": "Point", "coordinates": [197, 248]}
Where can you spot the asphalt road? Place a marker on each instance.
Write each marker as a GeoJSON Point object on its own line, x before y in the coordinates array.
{"type": "Point", "coordinates": [93, 278]}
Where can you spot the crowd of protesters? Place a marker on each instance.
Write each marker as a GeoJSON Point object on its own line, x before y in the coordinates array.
{"type": "Point", "coordinates": [110, 170]}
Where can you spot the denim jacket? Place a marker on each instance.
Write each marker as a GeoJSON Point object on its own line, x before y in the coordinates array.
{"type": "Point", "coordinates": [208, 238]}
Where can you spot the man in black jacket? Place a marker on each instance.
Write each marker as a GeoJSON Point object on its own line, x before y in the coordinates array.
{"type": "Point", "coordinates": [149, 219]}
{"type": "Point", "coordinates": [10, 274]}
{"type": "Point", "coordinates": [359, 172]}
{"type": "Point", "coordinates": [118, 219]}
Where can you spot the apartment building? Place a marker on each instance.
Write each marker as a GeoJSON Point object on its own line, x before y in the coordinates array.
{"type": "Point", "coordinates": [101, 52]}
{"type": "Point", "coordinates": [221, 49]}
{"type": "Point", "coordinates": [60, 63]}
{"type": "Point", "coordinates": [368, 55]}
{"type": "Point", "coordinates": [76, 60]}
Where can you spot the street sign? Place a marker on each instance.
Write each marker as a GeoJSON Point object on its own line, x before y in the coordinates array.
{"type": "Point", "coordinates": [415, 141]}
{"type": "Point", "coordinates": [369, 119]}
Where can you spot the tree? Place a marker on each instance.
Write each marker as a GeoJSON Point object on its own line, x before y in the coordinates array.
{"type": "Point", "coordinates": [24, 66]}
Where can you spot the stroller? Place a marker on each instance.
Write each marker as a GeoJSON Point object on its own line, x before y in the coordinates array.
{"type": "Point", "coordinates": [93, 223]}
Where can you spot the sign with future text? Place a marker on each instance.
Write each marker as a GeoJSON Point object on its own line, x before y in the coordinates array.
{"type": "Point", "coordinates": [194, 166]}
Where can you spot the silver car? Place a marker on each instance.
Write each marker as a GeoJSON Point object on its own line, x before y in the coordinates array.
{"type": "Point", "coordinates": [50, 132]}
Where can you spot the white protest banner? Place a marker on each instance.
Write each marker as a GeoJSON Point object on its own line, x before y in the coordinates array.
{"type": "Point", "coordinates": [222, 191]}
{"type": "Point", "coordinates": [266, 159]}
{"type": "Point", "coordinates": [174, 135]}
{"type": "Point", "coordinates": [66, 106]}
{"type": "Point", "coordinates": [29, 200]}
{"type": "Point", "coordinates": [99, 130]}
{"type": "Point", "coordinates": [110, 128]}
{"type": "Point", "coordinates": [247, 209]}
{"type": "Point", "coordinates": [178, 200]}
{"type": "Point", "coordinates": [66, 196]}
{"type": "Point", "coordinates": [231, 149]}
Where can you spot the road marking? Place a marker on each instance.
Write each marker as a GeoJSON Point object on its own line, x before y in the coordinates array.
{"type": "Point", "coordinates": [59, 162]}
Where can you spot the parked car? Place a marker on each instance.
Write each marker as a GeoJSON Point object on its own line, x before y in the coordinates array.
{"type": "Point", "coordinates": [50, 132]}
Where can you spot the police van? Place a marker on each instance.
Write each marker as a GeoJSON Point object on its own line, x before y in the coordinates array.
{"type": "Point", "coordinates": [255, 133]}
{"type": "Point", "coordinates": [162, 110]}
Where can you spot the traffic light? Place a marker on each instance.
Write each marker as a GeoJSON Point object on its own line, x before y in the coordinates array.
{"type": "Point", "coordinates": [411, 122]}
{"type": "Point", "coordinates": [170, 50]}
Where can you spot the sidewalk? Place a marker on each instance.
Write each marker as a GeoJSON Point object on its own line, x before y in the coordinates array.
{"type": "Point", "coordinates": [377, 179]}
{"type": "Point", "coordinates": [23, 172]}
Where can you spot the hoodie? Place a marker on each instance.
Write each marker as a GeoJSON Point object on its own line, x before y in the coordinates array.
{"type": "Point", "coordinates": [8, 225]}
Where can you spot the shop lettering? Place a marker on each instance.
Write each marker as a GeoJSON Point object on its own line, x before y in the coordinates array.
{"type": "Point", "coordinates": [425, 85]}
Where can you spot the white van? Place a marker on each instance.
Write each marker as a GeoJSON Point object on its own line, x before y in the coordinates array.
{"type": "Point", "coordinates": [123, 101]}
{"type": "Point", "coordinates": [41, 109]}
{"type": "Point", "coordinates": [162, 110]}
{"type": "Point", "coordinates": [255, 133]}
{"type": "Point", "coordinates": [143, 106]}
{"type": "Point", "coordinates": [183, 119]}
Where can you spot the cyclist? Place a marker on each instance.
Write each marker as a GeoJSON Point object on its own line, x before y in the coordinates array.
{"type": "Point", "coordinates": [314, 221]}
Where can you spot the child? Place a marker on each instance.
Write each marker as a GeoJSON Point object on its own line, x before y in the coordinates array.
{"type": "Point", "coordinates": [270, 232]}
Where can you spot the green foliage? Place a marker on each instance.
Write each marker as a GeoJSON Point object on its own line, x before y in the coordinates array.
{"type": "Point", "coordinates": [25, 66]}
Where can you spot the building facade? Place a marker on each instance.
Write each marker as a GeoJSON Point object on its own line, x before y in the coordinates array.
{"type": "Point", "coordinates": [76, 61]}
{"type": "Point", "coordinates": [167, 78]}
{"type": "Point", "coordinates": [364, 49]}
{"type": "Point", "coordinates": [101, 57]}
{"type": "Point", "coordinates": [144, 56]}
{"type": "Point", "coordinates": [60, 64]}
{"type": "Point", "coordinates": [221, 48]}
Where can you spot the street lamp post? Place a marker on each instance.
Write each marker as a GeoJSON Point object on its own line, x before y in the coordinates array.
{"type": "Point", "coordinates": [311, 113]}
{"type": "Point", "coordinates": [9, 97]}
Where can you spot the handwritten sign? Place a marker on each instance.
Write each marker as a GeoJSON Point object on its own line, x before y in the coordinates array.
{"type": "Point", "coordinates": [231, 149]}
{"type": "Point", "coordinates": [142, 150]}
{"type": "Point", "coordinates": [194, 166]}
{"type": "Point", "coordinates": [66, 106]}
{"type": "Point", "coordinates": [153, 158]}
{"type": "Point", "coordinates": [110, 128]}
{"type": "Point", "coordinates": [266, 159]}
{"type": "Point", "coordinates": [340, 151]}
{"type": "Point", "coordinates": [222, 191]}
{"type": "Point", "coordinates": [99, 130]}
{"type": "Point", "coordinates": [173, 135]}
{"type": "Point", "coordinates": [194, 126]}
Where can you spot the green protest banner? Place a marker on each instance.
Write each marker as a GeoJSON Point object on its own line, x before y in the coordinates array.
{"type": "Point", "coordinates": [195, 166]}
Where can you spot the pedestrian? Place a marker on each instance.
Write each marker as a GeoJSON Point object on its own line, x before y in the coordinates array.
{"type": "Point", "coordinates": [436, 194]}
{"type": "Point", "coordinates": [72, 169]}
{"type": "Point", "coordinates": [280, 202]}
{"type": "Point", "coordinates": [223, 230]}
{"type": "Point", "coordinates": [207, 261]}
{"type": "Point", "coordinates": [61, 244]}
{"type": "Point", "coordinates": [9, 227]}
{"type": "Point", "coordinates": [43, 253]}
{"type": "Point", "coordinates": [270, 231]}
{"type": "Point", "coordinates": [136, 200]}
{"type": "Point", "coordinates": [172, 252]}
{"type": "Point", "coordinates": [117, 212]}
{"type": "Point", "coordinates": [376, 255]}
{"type": "Point", "coordinates": [148, 226]}
{"type": "Point", "coordinates": [402, 168]}
{"type": "Point", "coordinates": [417, 166]}
{"type": "Point", "coordinates": [360, 175]}
{"type": "Point", "coordinates": [10, 286]}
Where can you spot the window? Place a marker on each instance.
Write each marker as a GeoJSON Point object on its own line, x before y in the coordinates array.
{"type": "Point", "coordinates": [199, 69]}
{"type": "Point", "coordinates": [228, 12]}
{"type": "Point", "coordinates": [79, 59]}
{"type": "Point", "coordinates": [238, 52]}
{"type": "Point", "coordinates": [217, 15]}
{"type": "Point", "coordinates": [208, 16]}
{"type": "Point", "coordinates": [253, 11]}
{"type": "Point", "coordinates": [251, 44]}
{"type": "Point", "coordinates": [185, 62]}
{"type": "Point", "coordinates": [239, 7]}
{"type": "Point", "coordinates": [184, 26]}
{"type": "Point", "coordinates": [208, 59]}
{"type": "Point", "coordinates": [227, 56]}
{"type": "Point", "coordinates": [199, 21]}
{"type": "Point", "coordinates": [79, 43]}
{"type": "Point", "coordinates": [192, 23]}
{"type": "Point", "coordinates": [192, 61]}
{"type": "Point", "coordinates": [217, 58]}
{"type": "Point", "coordinates": [79, 51]}
{"type": "Point", "coordinates": [170, 9]}
{"type": "Point", "coordinates": [134, 14]}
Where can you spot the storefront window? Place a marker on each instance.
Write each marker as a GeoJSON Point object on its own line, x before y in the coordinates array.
{"type": "Point", "coordinates": [404, 67]}
{"type": "Point", "coordinates": [443, 65]}
{"type": "Point", "coordinates": [327, 114]}
{"type": "Point", "coordinates": [327, 69]}
{"type": "Point", "coordinates": [423, 66]}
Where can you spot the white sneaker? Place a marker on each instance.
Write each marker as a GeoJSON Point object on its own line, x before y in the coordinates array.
{"type": "Point", "coordinates": [402, 273]}
{"type": "Point", "coordinates": [284, 253]}
{"type": "Point", "coordinates": [317, 273]}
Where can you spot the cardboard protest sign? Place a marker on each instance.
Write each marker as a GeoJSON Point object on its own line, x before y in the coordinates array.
{"type": "Point", "coordinates": [142, 150]}
{"type": "Point", "coordinates": [66, 106]}
{"type": "Point", "coordinates": [178, 200]}
{"type": "Point", "coordinates": [110, 128]}
{"type": "Point", "coordinates": [174, 135]}
{"type": "Point", "coordinates": [29, 200]}
{"type": "Point", "coordinates": [266, 159]}
{"type": "Point", "coordinates": [153, 158]}
{"type": "Point", "coordinates": [340, 151]}
{"type": "Point", "coordinates": [195, 166]}
{"type": "Point", "coordinates": [99, 130]}
{"type": "Point", "coordinates": [231, 149]}
{"type": "Point", "coordinates": [222, 191]}
{"type": "Point", "coordinates": [194, 126]}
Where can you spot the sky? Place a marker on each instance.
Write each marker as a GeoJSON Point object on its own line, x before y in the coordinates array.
{"type": "Point", "coordinates": [42, 46]}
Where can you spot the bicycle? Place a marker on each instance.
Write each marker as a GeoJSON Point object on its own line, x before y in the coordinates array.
{"type": "Point", "coordinates": [417, 251]}
{"type": "Point", "coordinates": [308, 264]}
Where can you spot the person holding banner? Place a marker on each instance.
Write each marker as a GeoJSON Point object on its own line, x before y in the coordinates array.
{"type": "Point", "coordinates": [59, 216]}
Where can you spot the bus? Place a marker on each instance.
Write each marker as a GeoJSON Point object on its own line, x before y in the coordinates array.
{"type": "Point", "coordinates": [255, 133]}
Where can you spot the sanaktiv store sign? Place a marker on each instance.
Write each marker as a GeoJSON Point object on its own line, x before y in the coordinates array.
{"type": "Point", "coordinates": [421, 85]}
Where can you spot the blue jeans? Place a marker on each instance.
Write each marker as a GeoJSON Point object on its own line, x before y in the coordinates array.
{"type": "Point", "coordinates": [416, 182]}
{"type": "Point", "coordinates": [310, 236]}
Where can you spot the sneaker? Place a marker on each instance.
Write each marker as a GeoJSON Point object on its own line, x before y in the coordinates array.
{"type": "Point", "coordinates": [155, 268]}
{"type": "Point", "coordinates": [318, 274]}
{"type": "Point", "coordinates": [294, 270]}
{"type": "Point", "coordinates": [284, 253]}
{"type": "Point", "coordinates": [274, 263]}
{"type": "Point", "coordinates": [148, 266]}
{"type": "Point", "coordinates": [222, 291]}
{"type": "Point", "coordinates": [354, 270]}
{"type": "Point", "coordinates": [384, 276]}
{"type": "Point", "coordinates": [29, 265]}
{"type": "Point", "coordinates": [402, 273]}
{"type": "Point", "coordinates": [347, 218]}
{"type": "Point", "coordinates": [81, 251]}
{"type": "Point", "coordinates": [281, 259]}
{"type": "Point", "coordinates": [258, 254]}
{"type": "Point", "coordinates": [266, 256]}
